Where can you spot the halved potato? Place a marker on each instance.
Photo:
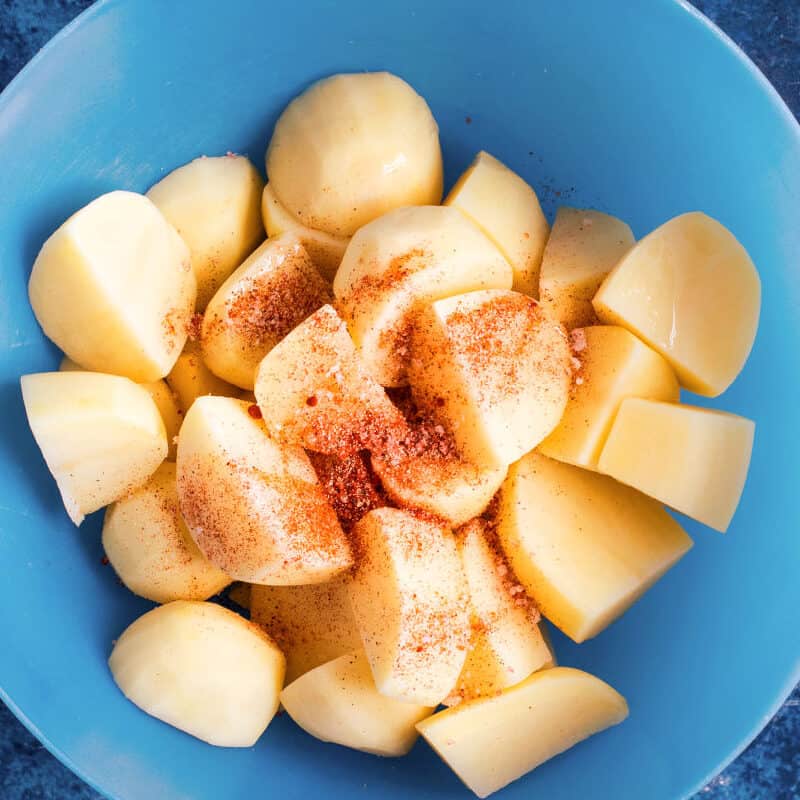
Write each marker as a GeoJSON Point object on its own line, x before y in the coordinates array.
{"type": "Point", "coordinates": [693, 459]}
{"type": "Point", "coordinates": [584, 546]}
{"type": "Point", "coordinates": [691, 291]}
{"type": "Point", "coordinates": [409, 598]}
{"type": "Point", "coordinates": [494, 369]}
{"type": "Point", "coordinates": [338, 702]}
{"type": "Point", "coordinates": [352, 147]}
{"type": "Point", "coordinates": [312, 624]}
{"type": "Point", "coordinates": [313, 390]}
{"type": "Point", "coordinates": [326, 250]}
{"type": "Point", "coordinates": [202, 669]}
{"type": "Point", "coordinates": [612, 365]}
{"type": "Point", "coordinates": [150, 548]}
{"type": "Point", "coordinates": [101, 435]}
{"type": "Point", "coordinates": [492, 741]}
{"type": "Point", "coordinates": [507, 643]}
{"type": "Point", "coordinates": [214, 204]}
{"type": "Point", "coordinates": [584, 246]}
{"type": "Point", "coordinates": [253, 506]}
{"type": "Point", "coordinates": [399, 263]}
{"type": "Point", "coordinates": [507, 210]}
{"type": "Point", "coordinates": [190, 378]}
{"type": "Point", "coordinates": [271, 293]}
{"type": "Point", "coordinates": [113, 287]}
{"type": "Point", "coordinates": [163, 398]}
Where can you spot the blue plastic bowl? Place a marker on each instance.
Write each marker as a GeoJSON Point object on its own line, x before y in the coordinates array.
{"type": "Point", "coordinates": [642, 109]}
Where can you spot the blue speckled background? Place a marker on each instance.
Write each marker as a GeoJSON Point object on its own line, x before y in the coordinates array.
{"type": "Point", "coordinates": [769, 31]}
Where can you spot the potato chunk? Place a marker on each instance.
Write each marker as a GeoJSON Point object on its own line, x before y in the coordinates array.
{"type": "Point", "coordinates": [313, 390]}
{"type": "Point", "coordinates": [101, 435]}
{"type": "Point", "coordinates": [693, 459]}
{"type": "Point", "coordinates": [613, 365]}
{"type": "Point", "coordinates": [352, 147]}
{"type": "Point", "coordinates": [254, 507]}
{"type": "Point", "coordinates": [507, 210]}
{"type": "Point", "coordinates": [215, 205]}
{"type": "Point", "coordinates": [690, 291]}
{"type": "Point", "coordinates": [190, 378]}
{"type": "Point", "coordinates": [409, 599]}
{"type": "Point", "coordinates": [584, 246]}
{"type": "Point", "coordinates": [312, 624]}
{"type": "Point", "coordinates": [507, 643]}
{"type": "Point", "coordinates": [114, 289]}
{"type": "Point", "coordinates": [400, 262]}
{"type": "Point", "coordinates": [326, 250]}
{"type": "Point", "coordinates": [492, 741]}
{"type": "Point", "coordinates": [275, 289]}
{"type": "Point", "coordinates": [494, 369]}
{"type": "Point", "coordinates": [584, 546]}
{"type": "Point", "coordinates": [150, 548]}
{"type": "Point", "coordinates": [202, 669]}
{"type": "Point", "coordinates": [338, 702]}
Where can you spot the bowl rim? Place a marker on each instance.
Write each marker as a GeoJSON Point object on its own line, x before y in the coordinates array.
{"type": "Point", "coordinates": [9, 94]}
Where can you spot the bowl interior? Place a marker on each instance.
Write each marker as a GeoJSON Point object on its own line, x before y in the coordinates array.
{"type": "Point", "coordinates": [639, 109]}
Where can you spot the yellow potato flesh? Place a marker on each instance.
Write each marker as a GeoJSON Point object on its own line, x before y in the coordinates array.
{"type": "Point", "coordinates": [101, 435]}
{"type": "Point", "coordinates": [494, 369]}
{"type": "Point", "coordinates": [114, 289]}
{"type": "Point", "coordinates": [338, 702]}
{"type": "Point", "coordinates": [507, 643]}
{"type": "Point", "coordinates": [202, 669]}
{"type": "Point", "coordinates": [614, 364]}
{"type": "Point", "coordinates": [690, 291]}
{"type": "Point", "coordinates": [326, 251]}
{"type": "Point", "coordinates": [312, 624]}
{"type": "Point", "coordinates": [253, 506]}
{"type": "Point", "coordinates": [150, 548]}
{"type": "Point", "coordinates": [352, 147]}
{"type": "Point", "coordinates": [271, 293]}
{"type": "Point", "coordinates": [584, 546]}
{"type": "Point", "coordinates": [414, 628]}
{"type": "Point", "coordinates": [400, 262]}
{"type": "Point", "coordinates": [692, 459]}
{"type": "Point", "coordinates": [215, 205]}
{"type": "Point", "coordinates": [507, 210]}
{"type": "Point", "coordinates": [492, 741]}
{"type": "Point", "coordinates": [584, 246]}
{"type": "Point", "coordinates": [190, 378]}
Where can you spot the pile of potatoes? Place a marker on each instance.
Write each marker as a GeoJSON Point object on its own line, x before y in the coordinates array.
{"type": "Point", "coordinates": [220, 334]}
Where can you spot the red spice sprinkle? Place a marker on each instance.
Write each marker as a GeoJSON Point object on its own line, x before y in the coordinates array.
{"type": "Point", "coordinates": [311, 401]}
{"type": "Point", "coordinates": [104, 561]}
{"type": "Point", "coordinates": [254, 411]}
{"type": "Point", "coordinates": [468, 120]}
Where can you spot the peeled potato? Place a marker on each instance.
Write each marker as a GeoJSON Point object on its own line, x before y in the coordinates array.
{"type": "Point", "coordinates": [254, 507]}
{"type": "Point", "coordinates": [400, 262]}
{"type": "Point", "coordinates": [693, 459]}
{"type": "Point", "coordinates": [507, 643]}
{"type": "Point", "coordinates": [190, 378]}
{"type": "Point", "coordinates": [147, 543]}
{"type": "Point", "coordinates": [326, 250]}
{"type": "Point", "coordinates": [352, 147]}
{"type": "Point", "coordinates": [507, 210]}
{"type": "Point", "coordinates": [690, 291]}
{"type": "Point", "coordinates": [215, 205]}
{"type": "Point", "coordinates": [584, 246]}
{"type": "Point", "coordinates": [492, 741]}
{"type": "Point", "coordinates": [101, 435]}
{"type": "Point", "coordinates": [338, 702]}
{"type": "Point", "coordinates": [203, 670]}
{"type": "Point", "coordinates": [275, 289]}
{"type": "Point", "coordinates": [114, 289]}
{"type": "Point", "coordinates": [614, 364]}
{"type": "Point", "coordinates": [494, 369]}
{"type": "Point", "coordinates": [584, 546]}
{"type": "Point", "coordinates": [409, 599]}
{"type": "Point", "coordinates": [240, 593]}
{"type": "Point", "coordinates": [312, 624]}
{"type": "Point", "coordinates": [162, 396]}
{"type": "Point", "coordinates": [313, 390]}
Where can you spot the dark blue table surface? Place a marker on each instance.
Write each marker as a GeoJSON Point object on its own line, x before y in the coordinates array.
{"type": "Point", "coordinates": [769, 31]}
